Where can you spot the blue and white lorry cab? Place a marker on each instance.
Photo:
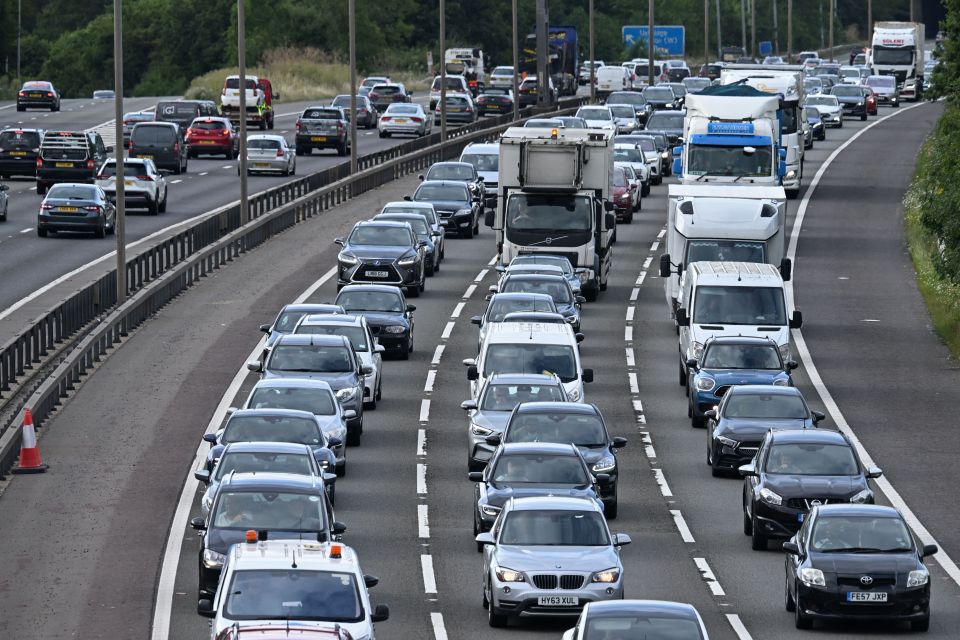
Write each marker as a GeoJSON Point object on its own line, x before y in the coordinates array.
{"type": "Point", "coordinates": [731, 135]}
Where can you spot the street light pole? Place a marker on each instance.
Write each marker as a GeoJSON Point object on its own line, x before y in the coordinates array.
{"type": "Point", "coordinates": [242, 83]}
{"type": "Point", "coordinates": [776, 30]}
{"type": "Point", "coordinates": [516, 63]}
{"type": "Point", "coordinates": [443, 71]}
{"type": "Point", "coordinates": [753, 28]}
{"type": "Point", "coordinates": [743, 24]}
{"type": "Point", "coordinates": [706, 31]}
{"type": "Point", "coordinates": [19, 15]}
{"type": "Point", "coordinates": [869, 22]}
{"type": "Point", "coordinates": [650, 51]}
{"type": "Point", "coordinates": [789, 31]}
{"type": "Point", "coordinates": [593, 71]}
{"type": "Point", "coordinates": [351, 11]}
{"type": "Point", "coordinates": [119, 222]}
{"type": "Point", "coordinates": [543, 70]}
{"type": "Point", "coordinates": [832, 8]}
{"type": "Point", "coordinates": [719, 35]}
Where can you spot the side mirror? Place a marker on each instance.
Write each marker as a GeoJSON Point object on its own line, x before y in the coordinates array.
{"type": "Point", "coordinates": [202, 475]}
{"type": "Point", "coordinates": [475, 476]}
{"type": "Point", "coordinates": [198, 524]}
{"type": "Point", "coordinates": [485, 538]}
{"type": "Point", "coordinates": [682, 319]}
{"type": "Point", "coordinates": [334, 441]}
{"type": "Point", "coordinates": [610, 220]}
{"type": "Point", "coordinates": [782, 153]}
{"type": "Point", "coordinates": [109, 149]}
{"type": "Point", "coordinates": [338, 241]}
{"type": "Point", "coordinates": [665, 265]}
{"type": "Point", "coordinates": [490, 216]}
{"type": "Point", "coordinates": [677, 165]}
{"type": "Point", "coordinates": [420, 177]}
{"type": "Point", "coordinates": [796, 320]}
{"type": "Point", "coordinates": [493, 440]}
{"type": "Point", "coordinates": [710, 413]}
{"type": "Point", "coordinates": [407, 198]}
{"type": "Point", "coordinates": [473, 373]}
{"type": "Point", "coordinates": [468, 405]}
{"type": "Point", "coordinates": [421, 244]}
{"type": "Point", "coordinates": [380, 613]}
{"type": "Point", "coordinates": [210, 437]}
{"type": "Point", "coordinates": [569, 634]}
{"type": "Point", "coordinates": [607, 206]}
{"type": "Point", "coordinates": [265, 328]}
{"type": "Point", "coordinates": [791, 365]}
{"type": "Point", "coordinates": [929, 550]}
{"type": "Point", "coordinates": [621, 540]}
{"type": "Point", "coordinates": [338, 528]}
{"type": "Point", "coordinates": [580, 299]}
{"type": "Point", "coordinates": [791, 547]}
{"type": "Point", "coordinates": [586, 375]}
{"type": "Point", "coordinates": [818, 416]}
{"type": "Point", "coordinates": [205, 608]}
{"type": "Point", "coordinates": [349, 414]}
{"type": "Point", "coordinates": [747, 471]}
{"type": "Point", "coordinates": [370, 581]}
{"type": "Point", "coordinates": [619, 442]}
{"type": "Point", "coordinates": [467, 362]}
{"type": "Point", "coordinates": [692, 363]}
{"type": "Point", "coordinates": [874, 472]}
{"type": "Point", "coordinates": [782, 169]}
{"type": "Point", "coordinates": [255, 366]}
{"type": "Point", "coordinates": [490, 202]}
{"type": "Point", "coordinates": [678, 150]}
{"type": "Point", "coordinates": [493, 288]}
{"type": "Point", "coordinates": [411, 308]}
{"type": "Point", "coordinates": [366, 370]}
{"type": "Point", "coordinates": [786, 269]}
{"type": "Point", "coordinates": [579, 338]}
{"type": "Point", "coordinates": [379, 349]}
{"type": "Point", "coordinates": [329, 478]}
{"type": "Point", "coordinates": [476, 320]}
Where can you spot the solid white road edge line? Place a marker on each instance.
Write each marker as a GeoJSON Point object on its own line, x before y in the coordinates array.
{"type": "Point", "coordinates": [175, 538]}
{"type": "Point", "coordinates": [942, 558]}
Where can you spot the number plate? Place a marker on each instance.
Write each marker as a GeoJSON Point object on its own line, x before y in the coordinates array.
{"type": "Point", "coordinates": [558, 601]}
{"type": "Point", "coordinates": [261, 165]}
{"type": "Point", "coordinates": [146, 157]}
{"type": "Point", "coordinates": [208, 142]}
{"type": "Point", "coordinates": [866, 596]}
{"type": "Point", "coordinates": [36, 95]}
{"type": "Point", "coordinates": [377, 274]}
{"type": "Point", "coordinates": [64, 165]}
{"type": "Point", "coordinates": [68, 209]}
{"type": "Point", "coordinates": [400, 120]}
{"type": "Point", "coordinates": [318, 139]}
{"type": "Point", "coordinates": [18, 153]}
{"type": "Point", "coordinates": [130, 183]}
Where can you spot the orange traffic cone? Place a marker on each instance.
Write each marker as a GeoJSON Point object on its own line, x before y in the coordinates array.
{"type": "Point", "coordinates": [29, 453]}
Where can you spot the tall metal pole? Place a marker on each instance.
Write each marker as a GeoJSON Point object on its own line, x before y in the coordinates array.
{"type": "Point", "coordinates": [912, 12]}
{"type": "Point", "coordinates": [352, 18]}
{"type": "Point", "coordinates": [776, 30]}
{"type": "Point", "coordinates": [832, 8]}
{"type": "Point", "coordinates": [593, 71]}
{"type": "Point", "coordinates": [822, 44]}
{"type": "Point", "coordinates": [719, 35]}
{"type": "Point", "coordinates": [543, 76]}
{"type": "Point", "coordinates": [120, 220]}
{"type": "Point", "coordinates": [706, 31]}
{"type": "Point", "coordinates": [869, 22]}
{"type": "Point", "coordinates": [790, 31]}
{"type": "Point", "coordinates": [516, 64]}
{"type": "Point", "coordinates": [753, 28]}
{"type": "Point", "coordinates": [650, 52]}
{"type": "Point", "coordinates": [443, 71]}
{"type": "Point", "coordinates": [743, 24]}
{"type": "Point", "coordinates": [242, 61]}
{"type": "Point", "coordinates": [19, 15]}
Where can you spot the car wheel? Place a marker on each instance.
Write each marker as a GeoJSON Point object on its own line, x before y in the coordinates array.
{"type": "Point", "coordinates": [758, 541]}
{"type": "Point", "coordinates": [413, 291]}
{"type": "Point", "coordinates": [371, 405]}
{"type": "Point", "coordinates": [341, 469]}
{"type": "Point", "coordinates": [628, 218]}
{"type": "Point", "coordinates": [747, 523]}
{"type": "Point", "coordinates": [788, 602]}
{"type": "Point", "coordinates": [840, 126]}
{"type": "Point", "coordinates": [467, 233]}
{"type": "Point", "coordinates": [645, 190]}
{"type": "Point", "coordinates": [163, 204]}
{"type": "Point", "coordinates": [41, 232]}
{"type": "Point", "coordinates": [342, 150]}
{"type": "Point", "coordinates": [101, 230]}
{"type": "Point", "coordinates": [153, 208]}
{"type": "Point", "coordinates": [178, 170]}
{"type": "Point", "coordinates": [379, 393]}
{"type": "Point", "coordinates": [922, 624]}
{"type": "Point", "coordinates": [863, 117]}
{"type": "Point", "coordinates": [495, 620]}
{"type": "Point", "coordinates": [610, 510]}
{"type": "Point", "coordinates": [683, 375]}
{"type": "Point", "coordinates": [353, 437]}
{"type": "Point", "coordinates": [697, 422]}
{"type": "Point", "coordinates": [800, 619]}
{"type": "Point", "coordinates": [293, 169]}
{"type": "Point", "coordinates": [431, 269]}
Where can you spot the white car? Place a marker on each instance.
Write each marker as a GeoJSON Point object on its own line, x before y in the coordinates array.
{"type": "Point", "coordinates": [502, 78]}
{"type": "Point", "coordinates": [829, 107]}
{"type": "Point", "coordinates": [143, 184]}
{"type": "Point", "coordinates": [455, 84]}
{"type": "Point", "coordinates": [584, 75]}
{"type": "Point", "coordinates": [268, 153]}
{"type": "Point", "coordinates": [597, 117]}
{"type": "Point", "coordinates": [405, 118]}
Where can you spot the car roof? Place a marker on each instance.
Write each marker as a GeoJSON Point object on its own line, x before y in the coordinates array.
{"type": "Point", "coordinates": [482, 147]}
{"type": "Point", "coordinates": [532, 332]}
{"type": "Point", "coordinates": [847, 509]}
{"type": "Point", "coordinates": [555, 503]}
{"type": "Point", "coordinates": [523, 378]}
{"type": "Point", "coordinates": [382, 288]}
{"type": "Point", "coordinates": [763, 389]}
{"type": "Point", "coordinates": [264, 136]}
{"type": "Point", "coordinates": [382, 223]}
{"type": "Point", "coordinates": [610, 607]}
{"type": "Point", "coordinates": [528, 267]}
{"type": "Point", "coordinates": [520, 295]}
{"type": "Point", "coordinates": [287, 413]}
{"type": "Point", "coordinates": [546, 448]}
{"type": "Point", "coordinates": [313, 339]}
{"type": "Point", "coordinates": [339, 319]}
{"type": "Point", "coordinates": [412, 204]}
{"type": "Point", "coordinates": [277, 554]}
{"type": "Point", "coordinates": [398, 216]}
{"type": "Point", "coordinates": [267, 447]}
{"type": "Point", "coordinates": [443, 183]}
{"type": "Point", "coordinates": [741, 340]}
{"type": "Point", "coordinates": [322, 306]}
{"type": "Point", "coordinates": [527, 277]}
{"type": "Point", "coordinates": [580, 408]}
{"type": "Point", "coordinates": [809, 436]}
{"type": "Point", "coordinates": [450, 163]}
{"type": "Point", "coordinates": [266, 480]}
{"type": "Point", "coordinates": [292, 383]}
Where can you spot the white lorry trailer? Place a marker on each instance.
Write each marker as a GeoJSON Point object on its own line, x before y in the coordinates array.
{"type": "Point", "coordinates": [897, 50]}
{"type": "Point", "coordinates": [554, 197]}
{"type": "Point", "coordinates": [710, 223]}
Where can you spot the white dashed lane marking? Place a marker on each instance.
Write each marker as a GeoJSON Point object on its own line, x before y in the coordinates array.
{"type": "Point", "coordinates": [421, 479]}
{"type": "Point", "coordinates": [423, 521]}
{"type": "Point", "coordinates": [682, 527]}
{"type": "Point", "coordinates": [707, 574]}
{"type": "Point", "coordinates": [424, 410]}
{"type": "Point", "coordinates": [429, 580]}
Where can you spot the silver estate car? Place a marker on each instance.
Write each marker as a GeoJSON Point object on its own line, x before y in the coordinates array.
{"type": "Point", "coordinates": [405, 118]}
{"type": "Point", "coordinates": [268, 153]}
{"type": "Point", "coordinates": [549, 556]}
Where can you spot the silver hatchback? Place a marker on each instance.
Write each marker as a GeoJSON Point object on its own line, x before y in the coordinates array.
{"type": "Point", "coordinates": [270, 154]}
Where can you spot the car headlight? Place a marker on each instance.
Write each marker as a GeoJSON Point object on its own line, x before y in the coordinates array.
{"type": "Point", "coordinates": [477, 430]}
{"type": "Point", "coordinates": [728, 442]}
{"type": "Point", "coordinates": [770, 497]}
{"type": "Point", "coordinates": [493, 512]}
{"type": "Point", "coordinates": [212, 559]}
{"type": "Point", "coordinates": [664, 155]}
{"type": "Point", "coordinates": [625, 196]}
{"type": "Point", "coordinates": [863, 497]}
{"type": "Point", "coordinates": [464, 212]}
{"type": "Point", "coordinates": [791, 174]}
{"type": "Point", "coordinates": [918, 578]}
{"type": "Point", "coordinates": [784, 351]}
{"type": "Point", "coordinates": [394, 328]}
{"type": "Point", "coordinates": [696, 350]}
{"type": "Point", "coordinates": [605, 464]}
{"type": "Point", "coordinates": [860, 104]}
{"type": "Point", "coordinates": [408, 261]}
{"type": "Point", "coordinates": [346, 393]}
{"type": "Point", "coordinates": [508, 575]}
{"type": "Point", "coordinates": [781, 382]}
{"type": "Point", "coordinates": [812, 577]}
{"type": "Point", "coordinates": [705, 383]}
{"type": "Point", "coordinates": [607, 575]}
{"type": "Point", "coordinates": [574, 396]}
{"type": "Point", "coordinates": [347, 259]}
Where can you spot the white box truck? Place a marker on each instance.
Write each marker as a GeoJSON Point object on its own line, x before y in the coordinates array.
{"type": "Point", "coordinates": [722, 223]}
{"type": "Point", "coordinates": [555, 198]}
{"type": "Point", "coordinates": [897, 50]}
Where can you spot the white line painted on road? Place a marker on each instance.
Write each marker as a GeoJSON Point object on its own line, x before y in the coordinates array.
{"type": "Point", "coordinates": [655, 246]}
{"type": "Point", "coordinates": [470, 290]}
{"type": "Point", "coordinates": [630, 361]}
{"type": "Point", "coordinates": [439, 630]}
{"type": "Point", "coordinates": [423, 521]}
{"type": "Point", "coordinates": [178, 180]}
{"type": "Point", "coordinates": [447, 330]}
{"type": "Point", "coordinates": [204, 173]}
{"type": "Point", "coordinates": [457, 309]}
{"type": "Point", "coordinates": [431, 376]}
{"type": "Point", "coordinates": [429, 580]}
{"type": "Point", "coordinates": [682, 527]}
{"type": "Point", "coordinates": [27, 230]}
{"type": "Point", "coordinates": [662, 483]}
{"type": "Point", "coordinates": [628, 333]}
{"type": "Point", "coordinates": [421, 479]}
{"type": "Point", "coordinates": [421, 442]}
{"type": "Point", "coordinates": [638, 406]}
{"type": "Point", "coordinates": [634, 293]}
{"type": "Point", "coordinates": [481, 275]}
{"type": "Point", "coordinates": [650, 452]}
{"type": "Point", "coordinates": [228, 166]}
{"type": "Point", "coordinates": [707, 574]}
{"type": "Point", "coordinates": [425, 410]}
{"type": "Point", "coordinates": [737, 623]}
{"type": "Point", "coordinates": [646, 263]}
{"type": "Point", "coordinates": [634, 386]}
{"type": "Point", "coordinates": [437, 354]}
{"type": "Point", "coordinates": [892, 495]}
{"type": "Point", "coordinates": [641, 278]}
{"type": "Point", "coordinates": [630, 311]}
{"type": "Point", "coordinates": [492, 261]}
{"type": "Point", "coordinates": [662, 231]}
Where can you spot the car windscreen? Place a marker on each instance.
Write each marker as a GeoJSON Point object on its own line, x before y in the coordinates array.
{"type": "Point", "coordinates": [234, 83]}
{"type": "Point", "coordinates": [842, 91]}
{"type": "Point", "coordinates": [738, 161]}
{"type": "Point", "coordinates": [17, 139]}
{"type": "Point", "coordinates": [146, 134]}
{"type": "Point", "coordinates": [696, 84]}
{"type": "Point", "coordinates": [259, 510]}
{"type": "Point", "coordinates": [543, 123]}
{"type": "Point", "coordinates": [532, 468]}
{"type": "Point", "coordinates": [311, 358]}
{"type": "Point", "coordinates": [263, 143]}
{"type": "Point", "coordinates": [594, 113]}
{"type": "Point", "coordinates": [626, 154]}
{"type": "Point", "coordinates": [892, 56]}
{"type": "Point", "coordinates": [836, 533]}
{"type": "Point", "coordinates": [453, 193]}
{"type": "Point", "coordinates": [452, 83]}
{"type": "Point", "coordinates": [849, 73]}
{"type": "Point", "coordinates": [812, 459]}
{"type": "Point", "coordinates": [344, 101]}
{"type": "Point", "coordinates": [555, 261]}
{"type": "Point", "coordinates": [380, 235]}
{"type": "Point", "coordinates": [321, 114]}
{"type": "Point", "coordinates": [725, 251]}
{"type": "Point", "coordinates": [741, 356]}
{"type": "Point", "coordinates": [504, 397]}
{"type": "Point", "coordinates": [821, 101]}
{"type": "Point", "coordinates": [557, 288]}
{"type": "Point", "coordinates": [531, 358]}
{"type": "Point", "coordinates": [652, 625]}
{"type": "Point", "coordinates": [402, 110]}
{"type": "Point", "coordinates": [886, 82]}
{"type": "Point", "coordinates": [658, 93]}
{"type": "Point", "coordinates": [386, 89]}
{"type": "Point", "coordinates": [293, 594]}
{"type": "Point", "coordinates": [316, 401]}
{"type": "Point", "coordinates": [130, 170]}
{"type": "Point", "coordinates": [665, 121]}
{"type": "Point", "coordinates": [623, 111]}
{"type": "Point", "coordinates": [765, 406]}
{"type": "Point", "coordinates": [482, 161]}
{"type": "Point", "coordinates": [619, 177]}
{"type": "Point", "coordinates": [370, 301]}
{"type": "Point", "coordinates": [739, 305]}
{"type": "Point", "coordinates": [428, 214]}
{"type": "Point", "coordinates": [582, 429]}
{"type": "Point", "coordinates": [449, 172]}
{"type": "Point", "coordinates": [572, 122]}
{"type": "Point", "coordinates": [72, 192]}
{"type": "Point", "coordinates": [271, 428]}
{"type": "Point", "coordinates": [356, 335]}
{"type": "Point", "coordinates": [204, 125]}
{"type": "Point", "coordinates": [499, 307]}
{"type": "Point", "coordinates": [554, 528]}
{"type": "Point", "coordinates": [647, 144]}
{"type": "Point", "coordinates": [419, 225]}
{"type": "Point", "coordinates": [626, 97]}
{"type": "Point", "coordinates": [263, 462]}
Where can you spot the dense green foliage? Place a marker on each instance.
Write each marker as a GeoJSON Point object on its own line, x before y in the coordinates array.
{"type": "Point", "coordinates": [169, 42]}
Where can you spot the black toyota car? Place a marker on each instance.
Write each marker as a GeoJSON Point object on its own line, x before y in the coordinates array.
{"type": "Point", "coordinates": [387, 312]}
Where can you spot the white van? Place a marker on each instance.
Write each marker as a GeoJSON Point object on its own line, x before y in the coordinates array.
{"type": "Point", "coordinates": [613, 78]}
{"type": "Point", "coordinates": [455, 84]}
{"type": "Point", "coordinates": [527, 347]}
{"type": "Point", "coordinates": [732, 299]}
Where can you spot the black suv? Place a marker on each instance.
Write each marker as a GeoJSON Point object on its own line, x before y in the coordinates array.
{"type": "Point", "coordinates": [458, 208]}
{"type": "Point", "coordinates": [387, 312]}
{"type": "Point", "coordinates": [383, 252]}
{"type": "Point", "coordinates": [161, 142]}
{"type": "Point", "coordinates": [19, 149]}
{"type": "Point", "coordinates": [69, 156]}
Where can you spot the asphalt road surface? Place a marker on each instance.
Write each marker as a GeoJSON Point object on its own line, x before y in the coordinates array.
{"type": "Point", "coordinates": [85, 543]}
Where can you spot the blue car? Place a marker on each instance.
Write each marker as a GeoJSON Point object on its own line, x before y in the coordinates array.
{"type": "Point", "coordinates": [730, 361]}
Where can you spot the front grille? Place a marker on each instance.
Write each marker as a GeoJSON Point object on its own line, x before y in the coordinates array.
{"type": "Point", "coordinates": [807, 503]}
{"type": "Point", "coordinates": [571, 582]}
{"type": "Point", "coordinates": [444, 214]}
{"type": "Point", "coordinates": [542, 581]}
{"type": "Point", "coordinates": [748, 447]}
{"type": "Point", "coordinates": [365, 270]}
{"type": "Point", "coordinates": [854, 581]}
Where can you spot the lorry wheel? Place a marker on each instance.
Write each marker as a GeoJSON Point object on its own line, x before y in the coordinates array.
{"type": "Point", "coordinates": [270, 122]}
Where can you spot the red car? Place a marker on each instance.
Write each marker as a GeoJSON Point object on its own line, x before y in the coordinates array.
{"type": "Point", "coordinates": [623, 195]}
{"type": "Point", "coordinates": [871, 98]}
{"type": "Point", "coordinates": [212, 136]}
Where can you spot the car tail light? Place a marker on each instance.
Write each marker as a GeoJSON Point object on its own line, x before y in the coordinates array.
{"type": "Point", "coordinates": [49, 95]}
{"type": "Point", "coordinates": [417, 119]}
{"type": "Point", "coordinates": [21, 94]}
{"type": "Point", "coordinates": [46, 207]}
{"type": "Point", "coordinates": [373, 96]}
{"type": "Point", "coordinates": [339, 126]}
{"type": "Point", "coordinates": [90, 164]}
{"type": "Point", "coordinates": [386, 118]}
{"type": "Point", "coordinates": [93, 207]}
{"type": "Point", "coordinates": [176, 147]}
{"type": "Point", "coordinates": [279, 153]}
{"type": "Point", "coordinates": [39, 163]}
{"type": "Point", "coordinates": [145, 178]}
{"type": "Point", "coordinates": [297, 126]}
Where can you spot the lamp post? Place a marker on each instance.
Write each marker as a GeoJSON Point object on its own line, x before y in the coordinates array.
{"type": "Point", "coordinates": [516, 64]}
{"type": "Point", "coordinates": [593, 71]}
{"type": "Point", "coordinates": [706, 31]}
{"type": "Point", "coordinates": [443, 71]}
{"type": "Point", "coordinates": [352, 18]}
{"type": "Point", "coordinates": [119, 221]}
{"type": "Point", "coordinates": [19, 14]}
{"type": "Point", "coordinates": [242, 84]}
{"type": "Point", "coordinates": [832, 9]}
{"type": "Point", "coordinates": [650, 52]}
{"type": "Point", "coordinates": [789, 30]}
{"type": "Point", "coordinates": [719, 35]}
